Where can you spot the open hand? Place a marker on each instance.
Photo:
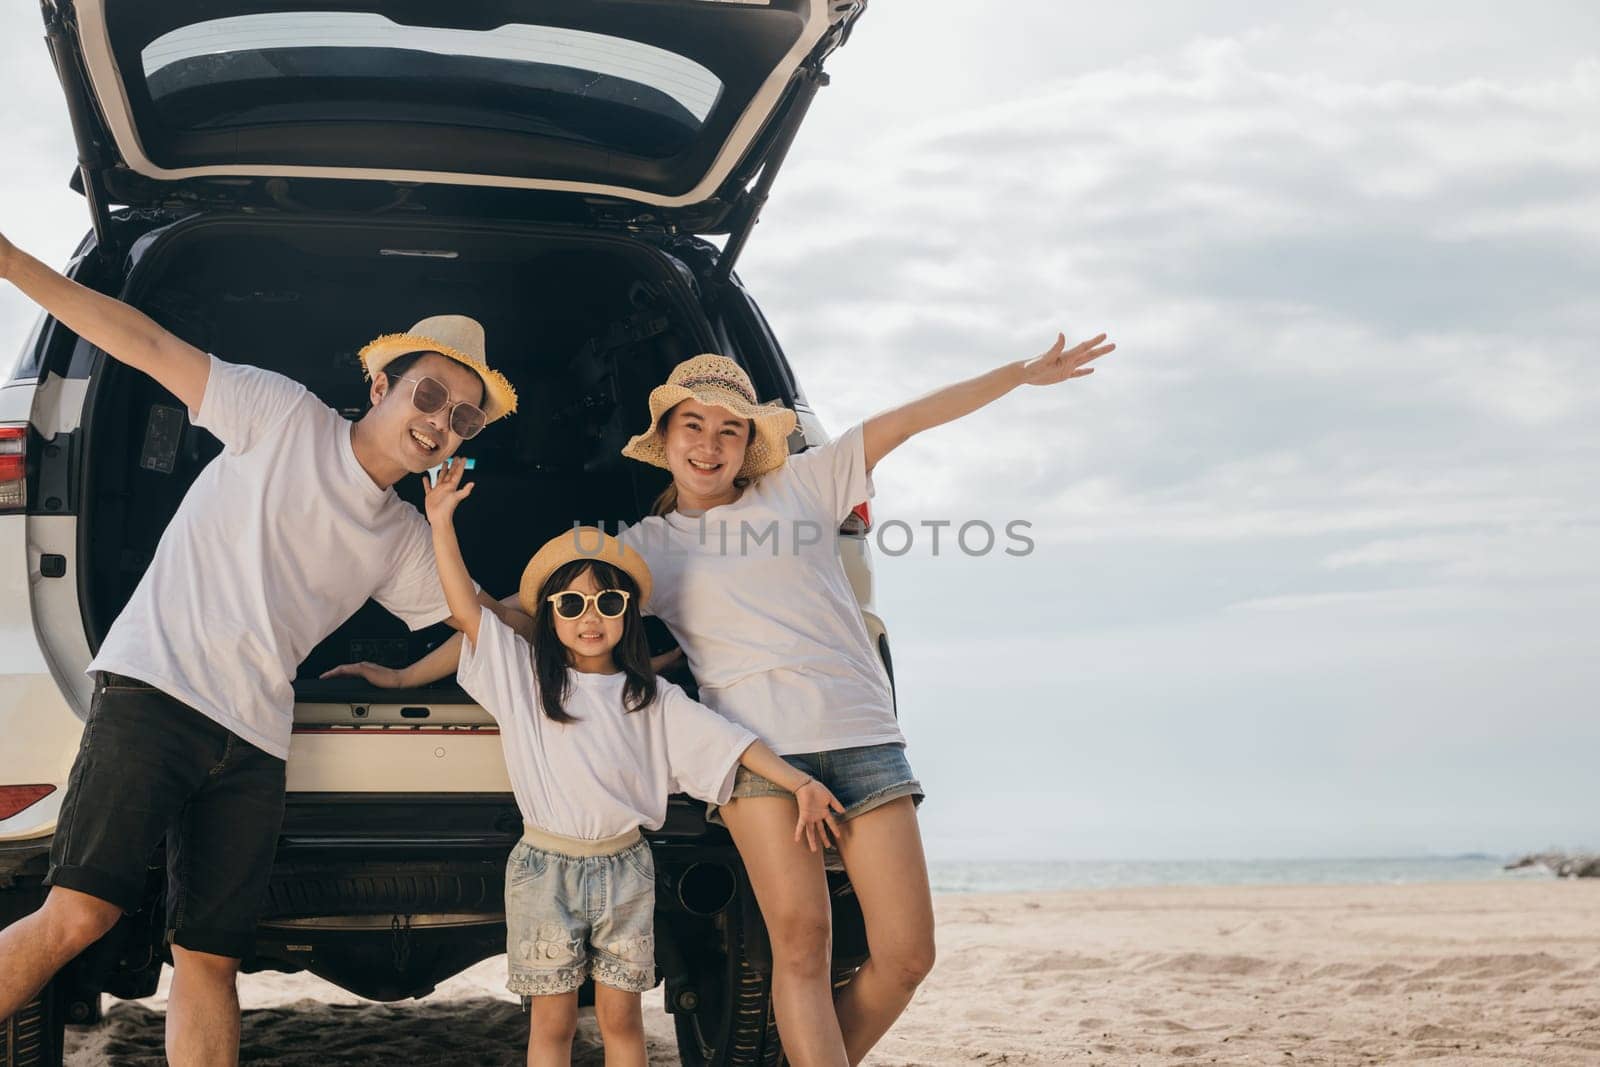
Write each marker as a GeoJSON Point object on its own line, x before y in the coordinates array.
{"type": "Point", "coordinates": [816, 821]}
{"type": "Point", "coordinates": [1060, 362]}
{"type": "Point", "coordinates": [374, 673]}
{"type": "Point", "coordinates": [446, 491]}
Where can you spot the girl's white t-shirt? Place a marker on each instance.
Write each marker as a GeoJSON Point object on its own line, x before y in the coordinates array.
{"type": "Point", "coordinates": [278, 541]}
{"type": "Point", "coordinates": [758, 598]}
{"type": "Point", "coordinates": [612, 770]}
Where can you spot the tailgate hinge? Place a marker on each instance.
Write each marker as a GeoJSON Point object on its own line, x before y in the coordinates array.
{"type": "Point", "coordinates": [747, 211]}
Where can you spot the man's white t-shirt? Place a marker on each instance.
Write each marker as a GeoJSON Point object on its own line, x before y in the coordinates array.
{"type": "Point", "coordinates": [280, 539]}
{"type": "Point", "coordinates": [758, 598]}
{"type": "Point", "coordinates": [612, 770]}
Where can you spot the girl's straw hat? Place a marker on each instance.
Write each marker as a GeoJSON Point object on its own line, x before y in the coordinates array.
{"type": "Point", "coordinates": [586, 543]}
{"type": "Point", "coordinates": [719, 381]}
{"type": "Point", "coordinates": [454, 336]}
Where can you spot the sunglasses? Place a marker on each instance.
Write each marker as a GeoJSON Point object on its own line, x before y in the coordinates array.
{"type": "Point", "coordinates": [610, 603]}
{"type": "Point", "coordinates": [428, 395]}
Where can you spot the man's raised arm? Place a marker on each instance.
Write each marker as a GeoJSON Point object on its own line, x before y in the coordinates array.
{"type": "Point", "coordinates": [129, 336]}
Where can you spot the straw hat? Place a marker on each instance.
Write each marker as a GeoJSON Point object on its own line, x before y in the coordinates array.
{"type": "Point", "coordinates": [719, 381]}
{"type": "Point", "coordinates": [456, 336]}
{"type": "Point", "coordinates": [587, 543]}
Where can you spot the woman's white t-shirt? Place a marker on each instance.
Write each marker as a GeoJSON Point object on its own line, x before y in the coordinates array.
{"type": "Point", "coordinates": [278, 541]}
{"type": "Point", "coordinates": [758, 598]}
{"type": "Point", "coordinates": [612, 770]}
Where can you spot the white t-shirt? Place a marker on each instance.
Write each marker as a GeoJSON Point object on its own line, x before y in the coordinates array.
{"type": "Point", "coordinates": [758, 598]}
{"type": "Point", "coordinates": [613, 769]}
{"type": "Point", "coordinates": [280, 539]}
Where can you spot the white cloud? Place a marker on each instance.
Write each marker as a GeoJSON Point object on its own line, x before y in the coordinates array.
{"type": "Point", "coordinates": [1351, 261]}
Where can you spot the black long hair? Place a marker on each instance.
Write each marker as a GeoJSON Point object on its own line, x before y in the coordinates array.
{"type": "Point", "coordinates": [550, 657]}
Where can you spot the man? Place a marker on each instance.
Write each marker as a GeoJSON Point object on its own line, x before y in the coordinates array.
{"type": "Point", "coordinates": [278, 541]}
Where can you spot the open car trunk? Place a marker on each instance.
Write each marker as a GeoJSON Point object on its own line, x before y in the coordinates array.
{"type": "Point", "coordinates": [583, 325]}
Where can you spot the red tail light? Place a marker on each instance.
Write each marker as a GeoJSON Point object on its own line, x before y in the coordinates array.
{"type": "Point", "coordinates": [859, 521]}
{"type": "Point", "coordinates": [16, 798]}
{"type": "Point", "coordinates": [13, 466]}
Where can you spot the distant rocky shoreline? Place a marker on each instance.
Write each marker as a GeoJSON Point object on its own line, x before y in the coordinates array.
{"type": "Point", "coordinates": [1577, 865]}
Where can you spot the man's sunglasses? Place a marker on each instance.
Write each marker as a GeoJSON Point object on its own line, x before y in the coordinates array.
{"type": "Point", "coordinates": [610, 603]}
{"type": "Point", "coordinates": [429, 395]}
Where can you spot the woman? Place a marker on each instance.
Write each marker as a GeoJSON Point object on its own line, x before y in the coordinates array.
{"type": "Point", "coordinates": [749, 580]}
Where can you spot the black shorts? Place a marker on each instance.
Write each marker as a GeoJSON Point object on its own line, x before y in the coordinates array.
{"type": "Point", "coordinates": [149, 767]}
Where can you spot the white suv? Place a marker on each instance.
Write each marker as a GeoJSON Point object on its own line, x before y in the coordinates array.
{"type": "Point", "coordinates": [274, 186]}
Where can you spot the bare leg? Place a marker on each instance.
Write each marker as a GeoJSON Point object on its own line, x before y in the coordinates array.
{"type": "Point", "coordinates": [552, 1024]}
{"type": "Point", "coordinates": [34, 948]}
{"type": "Point", "coordinates": [203, 1010]}
{"type": "Point", "coordinates": [621, 1018]}
{"type": "Point", "coordinates": [882, 851]}
{"type": "Point", "coordinates": [793, 893]}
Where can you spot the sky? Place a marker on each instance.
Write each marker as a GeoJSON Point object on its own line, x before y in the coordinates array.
{"type": "Point", "coordinates": [1314, 566]}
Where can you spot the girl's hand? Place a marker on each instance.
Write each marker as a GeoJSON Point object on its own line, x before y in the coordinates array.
{"type": "Point", "coordinates": [667, 660]}
{"type": "Point", "coordinates": [375, 674]}
{"type": "Point", "coordinates": [1061, 362]}
{"type": "Point", "coordinates": [816, 821]}
{"type": "Point", "coordinates": [446, 491]}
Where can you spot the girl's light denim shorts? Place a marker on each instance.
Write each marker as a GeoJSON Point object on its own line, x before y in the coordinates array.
{"type": "Point", "coordinates": [571, 915]}
{"type": "Point", "coordinates": [862, 778]}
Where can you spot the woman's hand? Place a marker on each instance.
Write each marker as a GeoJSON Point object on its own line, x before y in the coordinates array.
{"type": "Point", "coordinates": [817, 805]}
{"type": "Point", "coordinates": [374, 673]}
{"type": "Point", "coordinates": [888, 430]}
{"type": "Point", "coordinates": [1060, 362]}
{"type": "Point", "coordinates": [446, 491]}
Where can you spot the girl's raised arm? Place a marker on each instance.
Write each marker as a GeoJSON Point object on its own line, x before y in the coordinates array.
{"type": "Point", "coordinates": [888, 430]}
{"type": "Point", "coordinates": [444, 493]}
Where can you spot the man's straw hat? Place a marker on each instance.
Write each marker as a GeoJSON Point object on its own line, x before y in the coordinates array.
{"type": "Point", "coordinates": [456, 336]}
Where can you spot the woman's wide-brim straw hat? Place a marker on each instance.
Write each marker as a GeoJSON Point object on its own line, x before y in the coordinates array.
{"type": "Point", "coordinates": [586, 543]}
{"type": "Point", "coordinates": [720, 382]}
{"type": "Point", "coordinates": [457, 337]}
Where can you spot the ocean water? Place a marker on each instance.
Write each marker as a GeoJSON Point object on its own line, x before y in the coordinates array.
{"type": "Point", "coordinates": [967, 877]}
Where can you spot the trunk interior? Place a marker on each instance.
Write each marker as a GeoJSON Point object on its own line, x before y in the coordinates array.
{"type": "Point", "coordinates": [583, 325]}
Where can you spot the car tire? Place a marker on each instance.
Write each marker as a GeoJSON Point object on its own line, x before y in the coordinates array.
{"type": "Point", "coordinates": [34, 1036]}
{"type": "Point", "coordinates": [736, 1026]}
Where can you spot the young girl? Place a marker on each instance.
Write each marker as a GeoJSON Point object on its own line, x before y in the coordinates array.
{"type": "Point", "coordinates": [594, 744]}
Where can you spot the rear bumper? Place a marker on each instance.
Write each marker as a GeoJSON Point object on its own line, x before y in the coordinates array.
{"type": "Point", "coordinates": [431, 825]}
{"type": "Point", "coordinates": [25, 858]}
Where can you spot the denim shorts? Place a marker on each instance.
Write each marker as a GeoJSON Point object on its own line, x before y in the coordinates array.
{"type": "Point", "coordinates": [150, 767]}
{"type": "Point", "coordinates": [571, 915]}
{"type": "Point", "coordinates": [862, 778]}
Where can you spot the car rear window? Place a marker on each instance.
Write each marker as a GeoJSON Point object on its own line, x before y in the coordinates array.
{"type": "Point", "coordinates": [332, 67]}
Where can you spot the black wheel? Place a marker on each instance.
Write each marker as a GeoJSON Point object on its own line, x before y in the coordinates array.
{"type": "Point", "coordinates": [733, 1023]}
{"type": "Point", "coordinates": [33, 1036]}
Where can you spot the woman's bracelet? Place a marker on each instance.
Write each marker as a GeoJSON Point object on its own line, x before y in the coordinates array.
{"type": "Point", "coordinates": [808, 780]}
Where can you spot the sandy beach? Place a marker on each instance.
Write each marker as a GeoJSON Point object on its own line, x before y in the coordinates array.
{"type": "Point", "coordinates": [1450, 975]}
